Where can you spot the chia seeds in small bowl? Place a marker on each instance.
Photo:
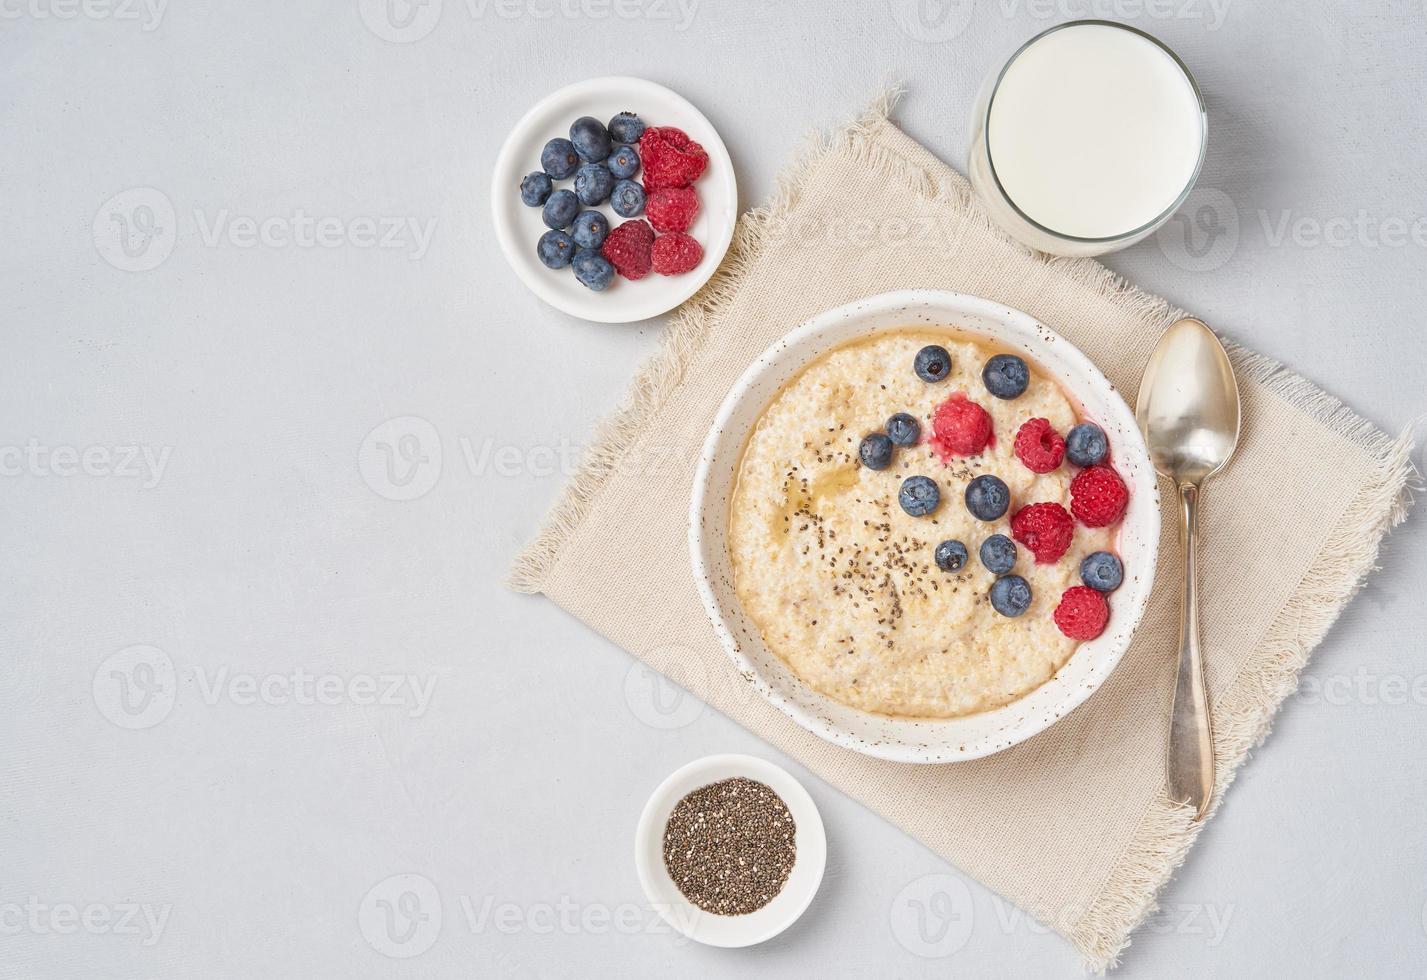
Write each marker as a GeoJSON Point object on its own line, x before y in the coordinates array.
{"type": "Point", "coordinates": [730, 846]}
{"type": "Point", "coordinates": [730, 850]}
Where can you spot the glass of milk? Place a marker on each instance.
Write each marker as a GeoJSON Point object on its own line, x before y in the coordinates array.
{"type": "Point", "coordinates": [1087, 139]}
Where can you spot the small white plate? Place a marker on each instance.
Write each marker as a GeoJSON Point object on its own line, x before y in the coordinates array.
{"type": "Point", "coordinates": [730, 930]}
{"type": "Point", "coordinates": [518, 227]}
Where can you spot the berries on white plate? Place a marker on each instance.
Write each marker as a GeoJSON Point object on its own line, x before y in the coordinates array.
{"type": "Point", "coordinates": [588, 140]}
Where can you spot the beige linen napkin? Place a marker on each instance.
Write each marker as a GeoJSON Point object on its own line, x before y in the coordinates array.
{"type": "Point", "coordinates": [1073, 825]}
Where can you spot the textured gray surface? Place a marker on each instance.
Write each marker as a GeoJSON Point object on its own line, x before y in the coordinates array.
{"type": "Point", "coordinates": [270, 543]}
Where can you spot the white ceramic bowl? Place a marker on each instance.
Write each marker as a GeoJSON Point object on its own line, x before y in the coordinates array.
{"type": "Point", "coordinates": [912, 739]}
{"type": "Point", "coordinates": [518, 227]}
{"type": "Point", "coordinates": [730, 930]}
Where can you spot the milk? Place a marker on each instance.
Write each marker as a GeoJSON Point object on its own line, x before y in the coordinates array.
{"type": "Point", "coordinates": [1093, 132]}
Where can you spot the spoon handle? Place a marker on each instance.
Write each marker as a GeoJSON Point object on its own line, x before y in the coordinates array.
{"type": "Point", "coordinates": [1190, 760]}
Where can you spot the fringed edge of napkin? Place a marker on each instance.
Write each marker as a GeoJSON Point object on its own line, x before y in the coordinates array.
{"type": "Point", "coordinates": [1244, 715]}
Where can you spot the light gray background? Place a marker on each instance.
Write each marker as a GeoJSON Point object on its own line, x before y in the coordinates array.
{"type": "Point", "coordinates": [270, 541]}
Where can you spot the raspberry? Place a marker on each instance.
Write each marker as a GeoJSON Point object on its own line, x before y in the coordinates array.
{"type": "Point", "coordinates": [960, 427]}
{"type": "Point", "coordinates": [672, 208]}
{"type": "Point", "coordinates": [1098, 496]}
{"type": "Point", "coordinates": [1082, 613]}
{"type": "Point", "coordinates": [1039, 446]}
{"type": "Point", "coordinates": [1046, 529]}
{"type": "Point", "coordinates": [628, 249]}
{"type": "Point", "coordinates": [675, 252]}
{"type": "Point", "coordinates": [670, 158]}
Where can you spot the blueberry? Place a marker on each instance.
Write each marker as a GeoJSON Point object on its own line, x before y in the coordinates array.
{"type": "Point", "coordinates": [998, 554]}
{"type": "Point", "coordinates": [623, 162]}
{"type": "Point", "coordinates": [1010, 595]}
{"type": "Point", "coordinates": [933, 363]}
{"type": "Point", "coordinates": [875, 451]}
{"type": "Point", "coordinates": [561, 209]}
{"type": "Point", "coordinates": [593, 183]}
{"type": "Point", "coordinates": [535, 189]}
{"type": "Point", "coordinates": [1102, 571]}
{"type": "Point", "coordinates": [627, 199]}
{"type": "Point", "coordinates": [555, 249]}
{"type": "Point", "coordinates": [919, 495]}
{"type": "Point", "coordinates": [559, 158]}
{"type": "Point", "coordinates": [593, 269]}
{"type": "Point", "coordinates": [590, 229]}
{"type": "Point", "coordinates": [903, 429]}
{"type": "Point", "coordinates": [951, 556]}
{"type": "Point", "coordinates": [1006, 376]}
{"type": "Point", "coordinates": [987, 497]}
{"type": "Point", "coordinates": [626, 128]}
{"type": "Point", "coordinates": [591, 139]}
{"type": "Point", "coordinates": [1086, 445]}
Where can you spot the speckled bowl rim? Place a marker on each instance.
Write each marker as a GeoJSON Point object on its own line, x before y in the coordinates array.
{"type": "Point", "coordinates": [920, 740]}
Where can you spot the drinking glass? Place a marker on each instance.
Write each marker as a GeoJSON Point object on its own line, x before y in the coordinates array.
{"type": "Point", "coordinates": [1009, 215]}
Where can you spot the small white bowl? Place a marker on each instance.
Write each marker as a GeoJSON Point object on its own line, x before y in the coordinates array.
{"type": "Point", "coordinates": [926, 740]}
{"type": "Point", "coordinates": [518, 227]}
{"type": "Point", "coordinates": [730, 930]}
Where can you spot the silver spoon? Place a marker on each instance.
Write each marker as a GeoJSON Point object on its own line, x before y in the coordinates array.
{"type": "Point", "coordinates": [1188, 410]}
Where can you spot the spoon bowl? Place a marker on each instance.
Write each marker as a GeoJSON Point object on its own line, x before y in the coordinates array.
{"type": "Point", "coordinates": [1188, 406]}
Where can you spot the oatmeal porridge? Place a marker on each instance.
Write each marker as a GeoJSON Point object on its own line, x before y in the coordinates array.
{"type": "Point", "coordinates": [923, 526]}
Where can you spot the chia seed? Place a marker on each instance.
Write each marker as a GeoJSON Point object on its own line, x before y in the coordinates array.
{"type": "Point", "coordinates": [730, 846]}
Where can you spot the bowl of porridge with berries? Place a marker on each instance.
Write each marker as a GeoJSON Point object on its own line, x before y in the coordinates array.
{"type": "Point", "coordinates": [924, 526]}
